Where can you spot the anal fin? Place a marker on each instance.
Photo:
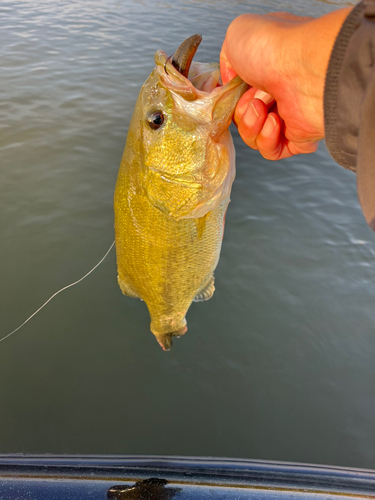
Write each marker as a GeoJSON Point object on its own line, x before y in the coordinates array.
{"type": "Point", "coordinates": [125, 288]}
{"type": "Point", "coordinates": [207, 291]}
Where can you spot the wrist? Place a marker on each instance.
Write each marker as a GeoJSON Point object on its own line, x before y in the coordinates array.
{"type": "Point", "coordinates": [305, 66]}
{"type": "Point", "coordinates": [316, 40]}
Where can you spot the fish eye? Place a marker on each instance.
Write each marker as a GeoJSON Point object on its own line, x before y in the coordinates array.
{"type": "Point", "coordinates": [155, 119]}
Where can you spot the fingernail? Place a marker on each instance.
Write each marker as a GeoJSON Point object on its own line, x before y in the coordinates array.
{"type": "Point", "coordinates": [251, 115]}
{"type": "Point", "coordinates": [263, 96]}
{"type": "Point", "coordinates": [269, 125]}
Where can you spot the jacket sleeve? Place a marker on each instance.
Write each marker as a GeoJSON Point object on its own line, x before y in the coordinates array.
{"type": "Point", "coordinates": [349, 102]}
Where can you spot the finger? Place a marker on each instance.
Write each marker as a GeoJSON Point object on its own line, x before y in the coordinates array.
{"type": "Point", "coordinates": [269, 141]}
{"type": "Point", "coordinates": [285, 148]}
{"type": "Point", "coordinates": [303, 148]}
{"type": "Point", "coordinates": [272, 143]}
{"type": "Point", "coordinates": [242, 105]}
{"type": "Point", "coordinates": [246, 99]}
{"type": "Point", "coordinates": [252, 121]}
{"type": "Point", "coordinates": [226, 70]}
{"type": "Point", "coordinates": [265, 97]}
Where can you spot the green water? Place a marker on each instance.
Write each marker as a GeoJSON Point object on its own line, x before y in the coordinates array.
{"type": "Point", "coordinates": [279, 364]}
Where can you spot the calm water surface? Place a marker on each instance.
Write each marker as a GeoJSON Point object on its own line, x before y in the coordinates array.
{"type": "Point", "coordinates": [278, 365]}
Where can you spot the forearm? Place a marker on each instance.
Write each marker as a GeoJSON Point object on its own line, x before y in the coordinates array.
{"type": "Point", "coordinates": [316, 40]}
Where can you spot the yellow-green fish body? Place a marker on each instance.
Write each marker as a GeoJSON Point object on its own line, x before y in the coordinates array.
{"type": "Point", "coordinates": [172, 191]}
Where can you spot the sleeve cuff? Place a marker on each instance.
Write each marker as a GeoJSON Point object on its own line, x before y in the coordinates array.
{"type": "Point", "coordinates": [341, 146]}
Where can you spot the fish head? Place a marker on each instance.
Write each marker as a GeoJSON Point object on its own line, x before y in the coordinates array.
{"type": "Point", "coordinates": [187, 152]}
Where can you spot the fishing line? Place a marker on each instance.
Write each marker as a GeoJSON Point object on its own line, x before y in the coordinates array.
{"type": "Point", "coordinates": [56, 293]}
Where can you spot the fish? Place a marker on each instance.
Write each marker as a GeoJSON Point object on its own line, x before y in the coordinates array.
{"type": "Point", "coordinates": [173, 187]}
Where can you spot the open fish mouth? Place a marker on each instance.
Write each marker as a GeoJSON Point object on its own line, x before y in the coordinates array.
{"type": "Point", "coordinates": [180, 69]}
{"type": "Point", "coordinates": [183, 56]}
{"type": "Point", "coordinates": [189, 80]}
{"type": "Point", "coordinates": [204, 77]}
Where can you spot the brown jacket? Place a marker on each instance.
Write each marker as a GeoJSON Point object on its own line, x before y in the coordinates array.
{"type": "Point", "coordinates": [349, 102]}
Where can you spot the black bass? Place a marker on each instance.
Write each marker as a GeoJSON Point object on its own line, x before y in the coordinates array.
{"type": "Point", "coordinates": [173, 187]}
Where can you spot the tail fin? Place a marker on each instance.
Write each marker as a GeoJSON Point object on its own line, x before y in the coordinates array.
{"type": "Point", "coordinates": [165, 339]}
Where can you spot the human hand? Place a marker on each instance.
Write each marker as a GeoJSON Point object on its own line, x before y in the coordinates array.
{"type": "Point", "coordinates": [284, 58]}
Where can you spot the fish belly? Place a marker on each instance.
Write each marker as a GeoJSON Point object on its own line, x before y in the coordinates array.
{"type": "Point", "coordinates": [165, 262]}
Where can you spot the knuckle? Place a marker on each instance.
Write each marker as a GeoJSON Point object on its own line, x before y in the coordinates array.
{"type": "Point", "coordinates": [252, 144]}
{"type": "Point", "coordinates": [268, 156]}
{"type": "Point", "coordinates": [270, 153]}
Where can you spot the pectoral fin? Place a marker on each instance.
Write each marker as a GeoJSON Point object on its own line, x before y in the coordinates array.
{"type": "Point", "coordinates": [125, 288]}
{"type": "Point", "coordinates": [207, 291]}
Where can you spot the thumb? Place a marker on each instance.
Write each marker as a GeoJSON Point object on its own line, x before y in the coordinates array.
{"type": "Point", "coordinates": [226, 70]}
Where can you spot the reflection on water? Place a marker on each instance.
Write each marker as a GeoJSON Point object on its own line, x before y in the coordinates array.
{"type": "Point", "coordinates": [279, 364]}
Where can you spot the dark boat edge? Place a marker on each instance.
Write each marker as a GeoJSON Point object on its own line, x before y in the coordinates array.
{"type": "Point", "coordinates": [271, 477]}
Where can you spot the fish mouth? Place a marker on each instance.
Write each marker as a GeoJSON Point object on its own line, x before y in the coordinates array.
{"type": "Point", "coordinates": [183, 56]}
{"type": "Point", "coordinates": [201, 76]}
{"type": "Point", "coordinates": [192, 80]}
{"type": "Point", "coordinates": [188, 76]}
